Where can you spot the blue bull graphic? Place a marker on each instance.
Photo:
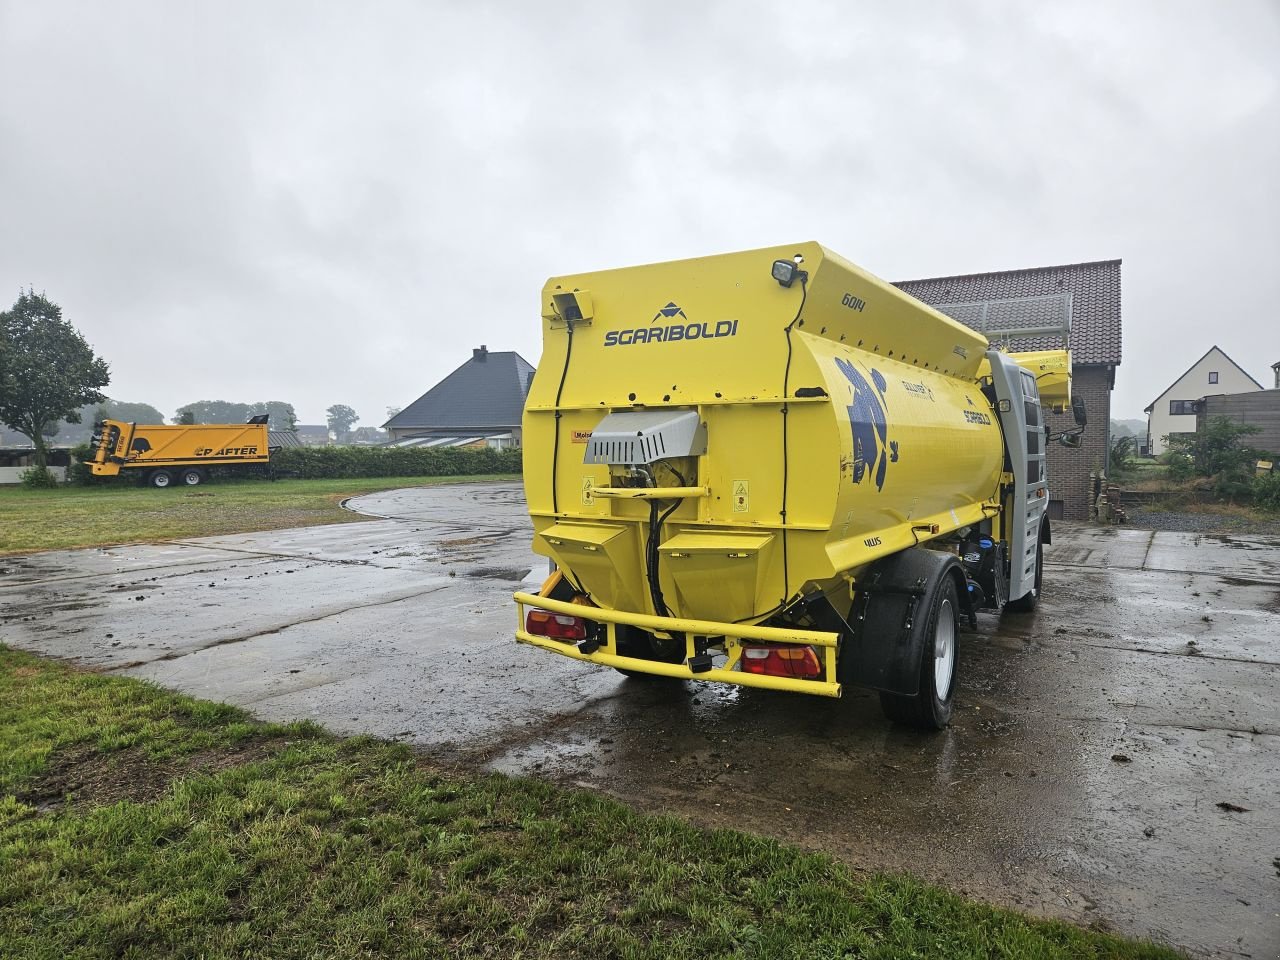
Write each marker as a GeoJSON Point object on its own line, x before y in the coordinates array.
{"type": "Point", "coordinates": [871, 445]}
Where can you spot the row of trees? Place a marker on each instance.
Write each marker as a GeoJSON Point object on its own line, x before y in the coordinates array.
{"type": "Point", "coordinates": [340, 418]}
{"type": "Point", "coordinates": [281, 415]}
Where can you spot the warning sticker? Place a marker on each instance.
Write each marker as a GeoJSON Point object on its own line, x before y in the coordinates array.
{"type": "Point", "coordinates": [741, 497]}
{"type": "Point", "coordinates": [587, 499]}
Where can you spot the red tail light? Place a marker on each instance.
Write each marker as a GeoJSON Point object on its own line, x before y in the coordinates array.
{"type": "Point", "coordinates": [781, 660]}
{"type": "Point", "coordinates": [557, 626]}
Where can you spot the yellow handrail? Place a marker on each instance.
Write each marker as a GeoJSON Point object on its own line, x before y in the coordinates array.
{"type": "Point", "coordinates": [649, 493]}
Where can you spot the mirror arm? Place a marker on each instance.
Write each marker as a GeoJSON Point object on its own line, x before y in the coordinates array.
{"type": "Point", "coordinates": [1070, 432]}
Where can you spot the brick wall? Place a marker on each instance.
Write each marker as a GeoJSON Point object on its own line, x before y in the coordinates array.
{"type": "Point", "coordinates": [1069, 469]}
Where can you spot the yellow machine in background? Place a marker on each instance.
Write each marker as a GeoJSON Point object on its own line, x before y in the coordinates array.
{"type": "Point", "coordinates": [167, 454]}
{"type": "Point", "coordinates": [736, 463]}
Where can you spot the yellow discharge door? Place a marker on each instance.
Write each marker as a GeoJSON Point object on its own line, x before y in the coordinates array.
{"type": "Point", "coordinates": [773, 469]}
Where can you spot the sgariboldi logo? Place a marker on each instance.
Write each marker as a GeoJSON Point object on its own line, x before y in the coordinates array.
{"type": "Point", "coordinates": [670, 332]}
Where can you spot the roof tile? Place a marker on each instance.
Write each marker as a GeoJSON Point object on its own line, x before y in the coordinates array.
{"type": "Point", "coordinates": [1095, 302]}
{"type": "Point", "coordinates": [485, 392]}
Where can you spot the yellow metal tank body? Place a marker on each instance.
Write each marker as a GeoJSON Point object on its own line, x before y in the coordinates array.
{"type": "Point", "coordinates": [844, 421]}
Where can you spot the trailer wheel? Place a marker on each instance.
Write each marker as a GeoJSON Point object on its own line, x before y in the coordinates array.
{"type": "Point", "coordinates": [160, 479]}
{"type": "Point", "coordinates": [1027, 604]}
{"type": "Point", "coordinates": [192, 477]}
{"type": "Point", "coordinates": [930, 708]}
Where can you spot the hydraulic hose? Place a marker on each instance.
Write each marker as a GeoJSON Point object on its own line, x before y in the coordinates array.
{"type": "Point", "coordinates": [555, 444]}
{"type": "Point", "coordinates": [786, 387]}
{"type": "Point", "coordinates": [652, 556]}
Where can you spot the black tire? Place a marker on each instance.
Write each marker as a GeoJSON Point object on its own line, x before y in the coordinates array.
{"type": "Point", "coordinates": [645, 646]}
{"type": "Point", "coordinates": [930, 708]}
{"type": "Point", "coordinates": [160, 479]}
{"type": "Point", "coordinates": [1027, 604]}
{"type": "Point", "coordinates": [191, 477]}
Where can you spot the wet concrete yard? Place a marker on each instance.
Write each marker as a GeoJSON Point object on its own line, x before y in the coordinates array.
{"type": "Point", "coordinates": [1094, 746]}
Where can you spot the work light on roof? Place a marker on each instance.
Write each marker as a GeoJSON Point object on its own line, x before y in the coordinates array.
{"type": "Point", "coordinates": [787, 272]}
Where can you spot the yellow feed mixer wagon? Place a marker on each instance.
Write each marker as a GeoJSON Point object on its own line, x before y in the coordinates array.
{"type": "Point", "coordinates": [774, 469]}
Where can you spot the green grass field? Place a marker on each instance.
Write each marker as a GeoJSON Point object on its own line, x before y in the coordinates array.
{"type": "Point", "coordinates": [139, 823]}
{"type": "Point", "coordinates": [66, 517]}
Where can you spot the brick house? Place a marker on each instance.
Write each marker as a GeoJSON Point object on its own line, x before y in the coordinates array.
{"type": "Point", "coordinates": [1086, 294]}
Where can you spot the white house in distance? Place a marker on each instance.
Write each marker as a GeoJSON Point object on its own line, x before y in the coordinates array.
{"type": "Point", "coordinates": [1174, 410]}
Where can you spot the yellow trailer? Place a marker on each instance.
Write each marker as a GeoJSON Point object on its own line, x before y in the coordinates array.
{"type": "Point", "coordinates": [774, 469]}
{"type": "Point", "coordinates": [164, 455]}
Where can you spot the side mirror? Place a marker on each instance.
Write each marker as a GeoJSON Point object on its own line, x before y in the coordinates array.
{"type": "Point", "coordinates": [1079, 411]}
{"type": "Point", "coordinates": [1071, 440]}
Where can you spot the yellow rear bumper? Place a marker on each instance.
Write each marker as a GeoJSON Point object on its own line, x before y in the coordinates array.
{"type": "Point", "coordinates": [728, 635]}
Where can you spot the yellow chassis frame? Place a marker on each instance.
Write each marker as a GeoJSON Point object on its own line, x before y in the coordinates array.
{"type": "Point", "coordinates": [732, 635]}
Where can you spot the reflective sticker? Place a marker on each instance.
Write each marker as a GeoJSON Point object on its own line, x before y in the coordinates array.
{"type": "Point", "coordinates": [741, 497]}
{"type": "Point", "coordinates": [954, 518]}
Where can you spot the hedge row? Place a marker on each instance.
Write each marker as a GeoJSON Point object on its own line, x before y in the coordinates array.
{"type": "Point", "coordinates": [343, 463]}
{"type": "Point", "coordinates": [314, 463]}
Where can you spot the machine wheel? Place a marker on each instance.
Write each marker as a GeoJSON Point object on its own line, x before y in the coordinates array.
{"type": "Point", "coordinates": [645, 646]}
{"type": "Point", "coordinates": [1027, 604]}
{"type": "Point", "coordinates": [192, 476]}
{"type": "Point", "coordinates": [160, 479]}
{"type": "Point", "coordinates": [930, 708]}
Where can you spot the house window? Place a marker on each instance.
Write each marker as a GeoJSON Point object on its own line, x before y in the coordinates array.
{"type": "Point", "coordinates": [1182, 408]}
{"type": "Point", "coordinates": [1213, 376]}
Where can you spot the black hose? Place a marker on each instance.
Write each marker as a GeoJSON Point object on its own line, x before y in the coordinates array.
{"type": "Point", "coordinates": [652, 556]}
{"type": "Point", "coordinates": [555, 448]}
{"type": "Point", "coordinates": [786, 381]}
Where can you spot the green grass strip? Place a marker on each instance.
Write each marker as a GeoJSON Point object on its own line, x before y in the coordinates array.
{"type": "Point", "coordinates": [66, 517]}
{"type": "Point", "coordinates": [139, 823]}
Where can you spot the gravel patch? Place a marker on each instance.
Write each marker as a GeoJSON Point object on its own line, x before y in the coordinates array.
{"type": "Point", "coordinates": [1201, 523]}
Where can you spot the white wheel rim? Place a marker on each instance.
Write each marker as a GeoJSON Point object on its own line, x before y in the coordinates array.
{"type": "Point", "coordinates": [161, 480]}
{"type": "Point", "coordinates": [192, 479]}
{"type": "Point", "coordinates": [944, 650]}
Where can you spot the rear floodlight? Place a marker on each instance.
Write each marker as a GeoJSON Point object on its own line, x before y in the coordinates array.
{"type": "Point", "coordinates": [787, 272]}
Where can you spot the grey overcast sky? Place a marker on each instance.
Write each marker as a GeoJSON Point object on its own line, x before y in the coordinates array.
{"type": "Point", "coordinates": [334, 202]}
